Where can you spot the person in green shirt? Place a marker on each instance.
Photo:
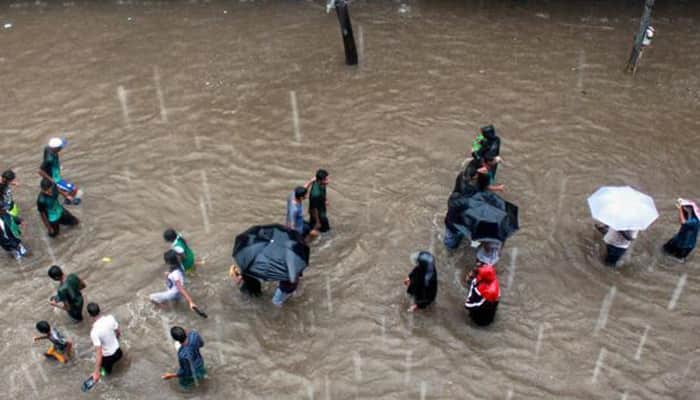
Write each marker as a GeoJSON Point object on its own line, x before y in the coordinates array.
{"type": "Point", "coordinates": [318, 202]}
{"type": "Point", "coordinates": [183, 250]}
{"type": "Point", "coordinates": [50, 169]}
{"type": "Point", "coordinates": [52, 213]}
{"type": "Point", "coordinates": [68, 295]}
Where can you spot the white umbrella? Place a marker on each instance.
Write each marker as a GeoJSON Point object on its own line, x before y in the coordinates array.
{"type": "Point", "coordinates": [622, 208]}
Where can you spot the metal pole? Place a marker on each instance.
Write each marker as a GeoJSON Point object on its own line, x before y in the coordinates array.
{"type": "Point", "coordinates": [341, 8]}
{"type": "Point", "coordinates": [637, 48]}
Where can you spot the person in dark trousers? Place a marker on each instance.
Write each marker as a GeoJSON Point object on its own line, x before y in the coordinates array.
{"type": "Point", "coordinates": [50, 169]}
{"type": "Point", "coordinates": [68, 296]}
{"type": "Point", "coordinates": [7, 182]}
{"type": "Point", "coordinates": [60, 347]}
{"type": "Point", "coordinates": [105, 337]}
{"type": "Point", "coordinates": [11, 235]}
{"type": "Point", "coordinates": [52, 213]}
{"type": "Point", "coordinates": [422, 282]}
{"type": "Point", "coordinates": [318, 203]}
{"type": "Point", "coordinates": [192, 369]}
{"type": "Point", "coordinates": [284, 291]}
{"type": "Point", "coordinates": [616, 243]}
{"type": "Point", "coordinates": [686, 239]}
{"type": "Point", "coordinates": [484, 295]}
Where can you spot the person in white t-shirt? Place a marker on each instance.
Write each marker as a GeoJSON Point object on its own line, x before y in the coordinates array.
{"type": "Point", "coordinates": [174, 282]}
{"type": "Point", "coordinates": [617, 243]}
{"type": "Point", "coordinates": [105, 337]}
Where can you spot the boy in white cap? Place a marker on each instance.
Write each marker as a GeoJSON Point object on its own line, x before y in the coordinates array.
{"type": "Point", "coordinates": [51, 169]}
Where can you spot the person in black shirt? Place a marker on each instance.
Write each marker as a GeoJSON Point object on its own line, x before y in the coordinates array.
{"type": "Point", "coordinates": [318, 203]}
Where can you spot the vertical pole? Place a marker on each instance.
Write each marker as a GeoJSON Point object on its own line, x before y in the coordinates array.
{"type": "Point", "coordinates": [637, 48]}
{"type": "Point", "coordinates": [341, 8]}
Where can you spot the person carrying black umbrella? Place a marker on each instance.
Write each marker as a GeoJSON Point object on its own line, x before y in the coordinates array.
{"type": "Point", "coordinates": [422, 282]}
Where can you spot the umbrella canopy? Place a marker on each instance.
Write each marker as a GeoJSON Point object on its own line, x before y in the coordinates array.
{"type": "Point", "coordinates": [483, 216]}
{"type": "Point", "coordinates": [622, 208]}
{"type": "Point", "coordinates": [271, 253]}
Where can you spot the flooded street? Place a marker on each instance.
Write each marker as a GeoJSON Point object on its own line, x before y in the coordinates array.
{"type": "Point", "coordinates": [203, 116]}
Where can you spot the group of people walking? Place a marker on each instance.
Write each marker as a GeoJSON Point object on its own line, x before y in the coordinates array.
{"type": "Point", "coordinates": [482, 294]}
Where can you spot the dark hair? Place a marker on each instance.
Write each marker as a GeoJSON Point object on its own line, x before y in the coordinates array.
{"type": "Point", "coordinates": [299, 192]}
{"type": "Point", "coordinates": [178, 334]}
{"type": "Point", "coordinates": [46, 184]}
{"type": "Point", "coordinates": [170, 235]}
{"type": "Point", "coordinates": [8, 175]}
{"type": "Point", "coordinates": [93, 309]}
{"type": "Point", "coordinates": [489, 131]}
{"type": "Point", "coordinates": [689, 212]}
{"type": "Point", "coordinates": [55, 272]}
{"type": "Point", "coordinates": [321, 174]}
{"type": "Point", "coordinates": [170, 257]}
{"type": "Point", "coordinates": [43, 327]}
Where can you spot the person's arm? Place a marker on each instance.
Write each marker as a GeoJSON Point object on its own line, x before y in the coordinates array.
{"type": "Point", "coordinates": [310, 182]}
{"type": "Point", "coordinates": [98, 363]}
{"type": "Point", "coordinates": [45, 220]}
{"type": "Point", "coordinates": [42, 337]}
{"type": "Point", "coordinates": [497, 188]}
{"type": "Point", "coordinates": [82, 284]}
{"type": "Point", "coordinates": [169, 375]}
{"type": "Point", "coordinates": [44, 175]}
{"type": "Point", "coordinates": [184, 292]}
{"type": "Point", "coordinates": [681, 215]}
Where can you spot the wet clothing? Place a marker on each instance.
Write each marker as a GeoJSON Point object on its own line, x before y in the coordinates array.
{"type": "Point", "coordinates": [10, 233]}
{"type": "Point", "coordinates": [69, 294]}
{"type": "Point", "coordinates": [251, 286]}
{"type": "Point", "coordinates": [283, 292]}
{"type": "Point", "coordinates": [109, 361]}
{"type": "Point", "coordinates": [617, 243]}
{"type": "Point", "coordinates": [484, 295]}
{"type": "Point", "coordinates": [685, 240]}
{"type": "Point", "coordinates": [58, 347]}
{"type": "Point", "coordinates": [172, 293]}
{"type": "Point", "coordinates": [51, 164]}
{"type": "Point", "coordinates": [192, 367]}
{"type": "Point", "coordinates": [489, 253]}
{"type": "Point", "coordinates": [49, 205]}
{"type": "Point", "coordinates": [317, 201]}
{"type": "Point", "coordinates": [423, 285]}
{"type": "Point", "coordinates": [189, 259]}
{"type": "Point", "coordinates": [104, 334]}
{"type": "Point", "coordinates": [7, 201]}
{"type": "Point", "coordinates": [295, 214]}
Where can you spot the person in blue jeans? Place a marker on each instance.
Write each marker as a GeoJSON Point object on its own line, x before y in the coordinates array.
{"type": "Point", "coordinates": [192, 369]}
{"type": "Point", "coordinates": [284, 291]}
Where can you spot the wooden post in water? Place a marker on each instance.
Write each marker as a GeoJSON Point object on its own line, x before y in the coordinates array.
{"type": "Point", "coordinates": [644, 23]}
{"type": "Point", "coordinates": [341, 8]}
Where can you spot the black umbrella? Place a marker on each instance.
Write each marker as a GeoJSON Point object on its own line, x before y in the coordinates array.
{"type": "Point", "coordinates": [271, 253]}
{"type": "Point", "coordinates": [483, 216]}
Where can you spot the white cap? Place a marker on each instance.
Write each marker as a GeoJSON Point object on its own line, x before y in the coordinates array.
{"type": "Point", "coordinates": [56, 143]}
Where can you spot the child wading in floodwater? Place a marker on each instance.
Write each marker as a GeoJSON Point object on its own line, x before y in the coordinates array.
{"type": "Point", "coordinates": [60, 347]}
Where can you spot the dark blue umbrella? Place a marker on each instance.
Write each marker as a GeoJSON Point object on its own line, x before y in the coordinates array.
{"type": "Point", "coordinates": [482, 216]}
{"type": "Point", "coordinates": [271, 253]}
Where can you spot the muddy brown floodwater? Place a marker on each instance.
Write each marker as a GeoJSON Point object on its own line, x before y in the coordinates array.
{"type": "Point", "coordinates": [181, 114]}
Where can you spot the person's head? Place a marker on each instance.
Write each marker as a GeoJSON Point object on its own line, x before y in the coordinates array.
{"type": "Point", "coordinates": [322, 177]}
{"type": "Point", "coordinates": [93, 309]}
{"type": "Point", "coordinates": [171, 259]}
{"type": "Point", "coordinates": [46, 185]}
{"type": "Point", "coordinates": [489, 132]}
{"type": "Point", "coordinates": [170, 235]}
{"type": "Point", "coordinates": [300, 192]}
{"type": "Point", "coordinates": [8, 176]}
{"type": "Point", "coordinates": [56, 144]}
{"type": "Point", "coordinates": [178, 334]}
{"type": "Point", "coordinates": [55, 272]}
{"type": "Point", "coordinates": [43, 327]}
